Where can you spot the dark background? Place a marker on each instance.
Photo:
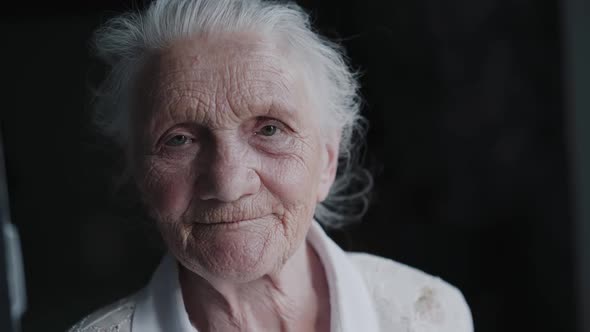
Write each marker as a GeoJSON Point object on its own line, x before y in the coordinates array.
{"type": "Point", "coordinates": [468, 145]}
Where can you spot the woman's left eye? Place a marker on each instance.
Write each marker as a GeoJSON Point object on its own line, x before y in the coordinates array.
{"type": "Point", "coordinates": [178, 140]}
{"type": "Point", "coordinates": [268, 130]}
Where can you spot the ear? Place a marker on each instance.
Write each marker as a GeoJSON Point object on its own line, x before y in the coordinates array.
{"type": "Point", "coordinates": [330, 151]}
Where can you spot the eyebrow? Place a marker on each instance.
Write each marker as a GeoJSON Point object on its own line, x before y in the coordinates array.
{"type": "Point", "coordinates": [279, 109]}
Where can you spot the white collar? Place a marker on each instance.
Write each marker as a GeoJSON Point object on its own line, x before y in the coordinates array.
{"type": "Point", "coordinates": [160, 307]}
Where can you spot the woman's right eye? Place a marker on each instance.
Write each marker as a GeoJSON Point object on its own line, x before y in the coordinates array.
{"type": "Point", "coordinates": [178, 140]}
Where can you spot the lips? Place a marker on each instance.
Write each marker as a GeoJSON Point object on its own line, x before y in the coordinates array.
{"type": "Point", "coordinates": [228, 222]}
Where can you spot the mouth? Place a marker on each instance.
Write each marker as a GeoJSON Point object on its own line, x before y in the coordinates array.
{"type": "Point", "coordinates": [229, 222]}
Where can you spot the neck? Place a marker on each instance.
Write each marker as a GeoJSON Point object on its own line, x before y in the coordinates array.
{"type": "Point", "coordinates": [295, 298]}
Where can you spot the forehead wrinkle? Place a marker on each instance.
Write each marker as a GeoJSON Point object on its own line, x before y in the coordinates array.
{"type": "Point", "coordinates": [264, 86]}
{"type": "Point", "coordinates": [253, 93]}
{"type": "Point", "coordinates": [177, 101]}
{"type": "Point", "coordinates": [241, 80]}
{"type": "Point", "coordinates": [205, 98]}
{"type": "Point", "coordinates": [201, 84]}
{"type": "Point", "coordinates": [289, 85]}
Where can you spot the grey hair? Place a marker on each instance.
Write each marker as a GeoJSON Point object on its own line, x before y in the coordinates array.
{"type": "Point", "coordinates": [123, 42]}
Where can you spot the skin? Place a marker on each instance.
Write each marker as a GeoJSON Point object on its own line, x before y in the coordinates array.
{"type": "Point", "coordinates": [231, 158]}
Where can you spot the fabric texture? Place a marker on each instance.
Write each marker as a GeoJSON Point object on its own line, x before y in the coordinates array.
{"type": "Point", "coordinates": [367, 293]}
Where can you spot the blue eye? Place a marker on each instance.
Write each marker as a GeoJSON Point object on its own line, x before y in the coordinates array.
{"type": "Point", "coordinates": [178, 140]}
{"type": "Point", "coordinates": [268, 130]}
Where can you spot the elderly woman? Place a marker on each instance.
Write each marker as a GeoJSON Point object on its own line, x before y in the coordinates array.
{"type": "Point", "coordinates": [237, 121]}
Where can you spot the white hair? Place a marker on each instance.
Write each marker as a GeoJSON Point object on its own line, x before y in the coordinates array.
{"type": "Point", "coordinates": [124, 41]}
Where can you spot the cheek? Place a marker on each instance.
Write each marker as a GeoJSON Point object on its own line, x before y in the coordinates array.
{"type": "Point", "coordinates": [292, 180]}
{"type": "Point", "coordinates": [166, 190]}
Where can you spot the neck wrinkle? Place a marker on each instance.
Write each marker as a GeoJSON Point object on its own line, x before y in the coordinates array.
{"type": "Point", "coordinates": [275, 301]}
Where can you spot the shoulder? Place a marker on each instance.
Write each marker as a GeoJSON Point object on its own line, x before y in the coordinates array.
{"type": "Point", "coordinates": [114, 317]}
{"type": "Point", "coordinates": [412, 299]}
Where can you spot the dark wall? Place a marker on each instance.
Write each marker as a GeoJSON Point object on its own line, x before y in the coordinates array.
{"type": "Point", "coordinates": [466, 144]}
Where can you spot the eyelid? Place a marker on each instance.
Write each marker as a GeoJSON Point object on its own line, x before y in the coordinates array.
{"type": "Point", "coordinates": [172, 132]}
{"type": "Point", "coordinates": [265, 121]}
{"type": "Point", "coordinates": [171, 137]}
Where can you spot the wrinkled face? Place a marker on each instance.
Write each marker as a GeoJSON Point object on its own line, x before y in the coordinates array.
{"type": "Point", "coordinates": [229, 155]}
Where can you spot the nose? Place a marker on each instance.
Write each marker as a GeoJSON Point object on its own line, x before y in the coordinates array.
{"type": "Point", "coordinates": [227, 175]}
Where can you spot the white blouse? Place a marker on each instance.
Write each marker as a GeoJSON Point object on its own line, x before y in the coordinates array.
{"type": "Point", "coordinates": [367, 293]}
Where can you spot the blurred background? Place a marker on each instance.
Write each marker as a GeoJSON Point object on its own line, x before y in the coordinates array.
{"type": "Point", "coordinates": [472, 142]}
